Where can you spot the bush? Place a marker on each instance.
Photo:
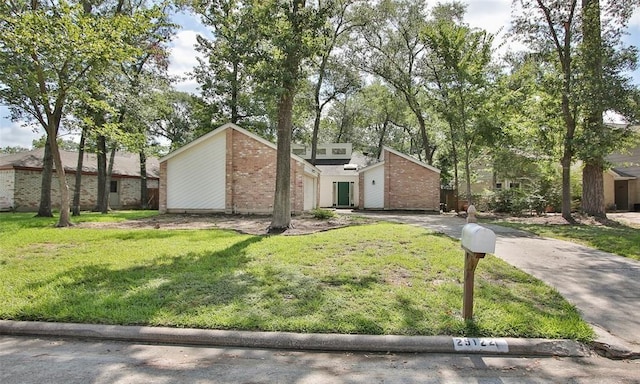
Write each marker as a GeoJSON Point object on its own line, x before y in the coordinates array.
{"type": "Point", "coordinates": [516, 201]}
{"type": "Point", "coordinates": [323, 214]}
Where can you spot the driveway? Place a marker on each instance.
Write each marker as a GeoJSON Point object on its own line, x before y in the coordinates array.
{"type": "Point", "coordinates": [604, 287]}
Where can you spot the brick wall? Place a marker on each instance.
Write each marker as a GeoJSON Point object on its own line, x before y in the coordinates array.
{"type": "Point", "coordinates": [409, 185]}
{"type": "Point", "coordinates": [251, 176]}
{"type": "Point", "coordinates": [28, 182]}
{"type": "Point", "coordinates": [7, 186]}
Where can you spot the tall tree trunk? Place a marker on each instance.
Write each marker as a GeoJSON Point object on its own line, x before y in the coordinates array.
{"type": "Point", "coordinates": [107, 194]}
{"type": "Point", "coordinates": [75, 210]}
{"type": "Point", "coordinates": [593, 194]}
{"type": "Point", "coordinates": [101, 155]}
{"type": "Point", "coordinates": [282, 202]}
{"type": "Point", "coordinates": [65, 219]}
{"type": "Point", "coordinates": [592, 179]}
{"type": "Point", "coordinates": [45, 186]}
{"type": "Point", "coordinates": [566, 187]}
{"type": "Point", "coordinates": [144, 192]}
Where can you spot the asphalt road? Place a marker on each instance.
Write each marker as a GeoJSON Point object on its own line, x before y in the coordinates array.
{"type": "Point", "coordinates": [25, 360]}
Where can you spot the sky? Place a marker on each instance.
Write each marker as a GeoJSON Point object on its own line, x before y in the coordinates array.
{"type": "Point", "coordinates": [491, 15]}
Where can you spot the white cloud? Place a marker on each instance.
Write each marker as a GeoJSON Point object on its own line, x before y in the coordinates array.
{"type": "Point", "coordinates": [183, 58]}
{"type": "Point", "coordinates": [14, 134]}
{"type": "Point", "coordinates": [492, 15]}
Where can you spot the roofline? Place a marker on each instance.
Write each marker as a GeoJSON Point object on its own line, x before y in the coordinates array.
{"type": "Point", "coordinates": [617, 176]}
{"type": "Point", "coordinates": [406, 157]}
{"type": "Point", "coordinates": [223, 128]}
{"type": "Point", "coordinates": [370, 167]}
{"type": "Point", "coordinates": [70, 171]}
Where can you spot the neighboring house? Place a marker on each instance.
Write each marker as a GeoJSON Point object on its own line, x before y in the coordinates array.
{"type": "Point", "coordinates": [400, 182]}
{"type": "Point", "coordinates": [21, 178]}
{"type": "Point", "coordinates": [622, 181]}
{"type": "Point", "coordinates": [231, 170]}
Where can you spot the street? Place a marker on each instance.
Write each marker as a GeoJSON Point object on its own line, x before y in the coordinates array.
{"type": "Point", "coordinates": [27, 360]}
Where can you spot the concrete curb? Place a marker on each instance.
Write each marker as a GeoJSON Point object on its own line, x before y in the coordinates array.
{"type": "Point", "coordinates": [298, 341]}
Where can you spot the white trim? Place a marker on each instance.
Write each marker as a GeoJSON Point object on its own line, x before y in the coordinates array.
{"type": "Point", "coordinates": [370, 167]}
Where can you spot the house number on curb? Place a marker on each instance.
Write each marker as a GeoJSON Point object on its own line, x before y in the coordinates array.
{"type": "Point", "coordinates": [480, 344]}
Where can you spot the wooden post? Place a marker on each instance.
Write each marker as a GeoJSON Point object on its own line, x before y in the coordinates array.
{"type": "Point", "coordinates": [470, 263]}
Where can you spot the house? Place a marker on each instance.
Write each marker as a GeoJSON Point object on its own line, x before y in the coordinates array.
{"type": "Point", "coordinates": [399, 182]}
{"type": "Point", "coordinates": [339, 166]}
{"type": "Point", "coordinates": [231, 170]}
{"type": "Point", "coordinates": [350, 179]}
{"type": "Point", "coordinates": [622, 181]}
{"type": "Point", "coordinates": [21, 178]}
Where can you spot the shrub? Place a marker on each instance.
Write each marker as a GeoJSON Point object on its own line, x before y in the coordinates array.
{"type": "Point", "coordinates": [323, 214]}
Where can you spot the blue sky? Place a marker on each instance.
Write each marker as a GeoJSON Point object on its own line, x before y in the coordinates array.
{"type": "Point", "coordinates": [492, 15]}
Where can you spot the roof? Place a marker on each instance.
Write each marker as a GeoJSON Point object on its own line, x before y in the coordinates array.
{"type": "Point", "coordinates": [626, 164]}
{"type": "Point", "coordinates": [406, 157]}
{"type": "Point", "coordinates": [308, 167]}
{"type": "Point", "coordinates": [125, 164]}
{"type": "Point", "coordinates": [334, 169]}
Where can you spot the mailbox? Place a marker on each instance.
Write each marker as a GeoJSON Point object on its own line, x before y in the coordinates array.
{"type": "Point", "coordinates": [478, 239]}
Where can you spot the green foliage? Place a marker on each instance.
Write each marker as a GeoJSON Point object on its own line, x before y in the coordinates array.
{"type": "Point", "coordinates": [370, 279]}
{"type": "Point", "coordinates": [323, 214]}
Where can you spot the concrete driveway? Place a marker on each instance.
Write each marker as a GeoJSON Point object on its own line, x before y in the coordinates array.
{"type": "Point", "coordinates": [604, 287]}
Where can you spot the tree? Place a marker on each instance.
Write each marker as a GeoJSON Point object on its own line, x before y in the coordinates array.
{"type": "Point", "coordinates": [225, 72]}
{"type": "Point", "coordinates": [549, 28]}
{"type": "Point", "coordinates": [46, 53]}
{"type": "Point", "coordinates": [288, 35]}
{"type": "Point", "coordinates": [591, 67]}
{"type": "Point", "coordinates": [602, 60]}
{"type": "Point", "coordinates": [461, 75]}
{"type": "Point", "coordinates": [390, 47]}
{"type": "Point", "coordinates": [180, 117]}
{"type": "Point", "coordinates": [333, 76]}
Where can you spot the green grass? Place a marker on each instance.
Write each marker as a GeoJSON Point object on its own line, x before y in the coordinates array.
{"type": "Point", "coordinates": [368, 279]}
{"type": "Point", "coordinates": [619, 239]}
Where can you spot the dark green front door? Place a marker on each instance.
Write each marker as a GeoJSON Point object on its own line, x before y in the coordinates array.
{"type": "Point", "coordinates": [343, 194]}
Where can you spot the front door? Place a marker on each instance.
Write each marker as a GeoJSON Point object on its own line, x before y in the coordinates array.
{"type": "Point", "coordinates": [342, 194]}
{"type": "Point", "coordinates": [622, 194]}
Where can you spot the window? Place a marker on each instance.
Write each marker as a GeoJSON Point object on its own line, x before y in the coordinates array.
{"type": "Point", "coordinates": [339, 151]}
{"type": "Point", "coordinates": [114, 186]}
{"type": "Point", "coordinates": [299, 151]}
{"type": "Point", "coordinates": [514, 185]}
{"type": "Point", "coordinates": [498, 185]}
{"type": "Point", "coordinates": [321, 151]}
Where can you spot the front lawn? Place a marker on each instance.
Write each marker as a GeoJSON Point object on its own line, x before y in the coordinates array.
{"type": "Point", "coordinates": [372, 279]}
{"type": "Point", "coordinates": [618, 239]}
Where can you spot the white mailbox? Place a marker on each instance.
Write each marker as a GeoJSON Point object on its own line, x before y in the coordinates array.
{"type": "Point", "coordinates": [478, 239]}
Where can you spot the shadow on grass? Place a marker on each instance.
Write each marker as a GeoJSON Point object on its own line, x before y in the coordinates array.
{"type": "Point", "coordinates": [98, 294]}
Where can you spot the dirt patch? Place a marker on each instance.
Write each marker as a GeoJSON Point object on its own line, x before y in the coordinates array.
{"type": "Point", "coordinates": [249, 224]}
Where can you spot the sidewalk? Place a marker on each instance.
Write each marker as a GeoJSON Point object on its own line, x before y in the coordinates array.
{"type": "Point", "coordinates": [604, 287]}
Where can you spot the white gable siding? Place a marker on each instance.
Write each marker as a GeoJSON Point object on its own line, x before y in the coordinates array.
{"type": "Point", "coordinates": [196, 178]}
{"type": "Point", "coordinates": [7, 190]}
{"type": "Point", "coordinates": [374, 192]}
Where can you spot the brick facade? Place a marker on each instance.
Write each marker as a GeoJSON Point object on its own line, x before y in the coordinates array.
{"type": "Point", "coordinates": [409, 185]}
{"type": "Point", "coordinates": [27, 188]}
{"type": "Point", "coordinates": [251, 176]}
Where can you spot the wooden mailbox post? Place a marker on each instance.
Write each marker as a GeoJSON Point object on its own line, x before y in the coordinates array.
{"type": "Point", "coordinates": [477, 241]}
